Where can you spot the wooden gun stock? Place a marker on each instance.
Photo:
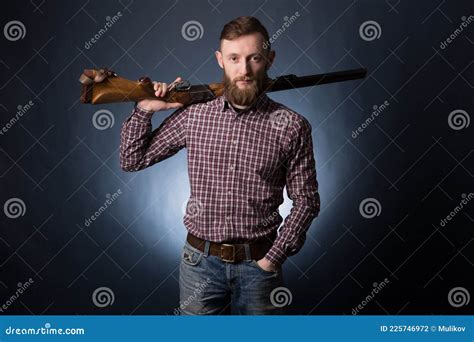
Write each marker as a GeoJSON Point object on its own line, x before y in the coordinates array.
{"type": "Point", "coordinates": [105, 86]}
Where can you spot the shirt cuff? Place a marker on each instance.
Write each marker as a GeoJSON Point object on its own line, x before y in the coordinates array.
{"type": "Point", "coordinates": [142, 114]}
{"type": "Point", "coordinates": [276, 256]}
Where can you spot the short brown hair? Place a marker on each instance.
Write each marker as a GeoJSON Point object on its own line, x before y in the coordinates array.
{"type": "Point", "coordinates": [242, 26]}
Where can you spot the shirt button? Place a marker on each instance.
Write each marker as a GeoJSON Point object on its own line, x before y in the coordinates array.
{"type": "Point", "coordinates": [234, 142]}
{"type": "Point", "coordinates": [231, 167]}
{"type": "Point", "coordinates": [227, 218]}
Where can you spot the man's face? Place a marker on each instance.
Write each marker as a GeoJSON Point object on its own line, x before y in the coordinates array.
{"type": "Point", "coordinates": [245, 63]}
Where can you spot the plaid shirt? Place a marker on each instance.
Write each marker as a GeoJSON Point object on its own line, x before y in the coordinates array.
{"type": "Point", "coordinates": [238, 165]}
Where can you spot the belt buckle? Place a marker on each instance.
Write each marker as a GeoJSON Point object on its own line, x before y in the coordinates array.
{"type": "Point", "coordinates": [233, 252]}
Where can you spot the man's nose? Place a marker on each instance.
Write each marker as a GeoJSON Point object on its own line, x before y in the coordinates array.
{"type": "Point", "coordinates": [244, 68]}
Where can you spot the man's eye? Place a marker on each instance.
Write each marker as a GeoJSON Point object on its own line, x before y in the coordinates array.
{"type": "Point", "coordinates": [256, 59]}
{"type": "Point", "coordinates": [233, 59]}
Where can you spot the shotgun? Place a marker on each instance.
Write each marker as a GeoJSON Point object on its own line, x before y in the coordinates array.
{"type": "Point", "coordinates": [105, 86]}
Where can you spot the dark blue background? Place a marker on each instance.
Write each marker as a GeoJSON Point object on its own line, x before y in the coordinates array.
{"type": "Point", "coordinates": [409, 158]}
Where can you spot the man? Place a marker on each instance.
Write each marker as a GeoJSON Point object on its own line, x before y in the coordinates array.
{"type": "Point", "coordinates": [243, 148]}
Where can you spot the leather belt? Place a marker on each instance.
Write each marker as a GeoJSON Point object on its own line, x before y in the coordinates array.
{"type": "Point", "coordinates": [232, 252]}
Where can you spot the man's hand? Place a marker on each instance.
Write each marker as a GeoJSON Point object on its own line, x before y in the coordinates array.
{"type": "Point", "coordinates": [266, 265]}
{"type": "Point", "coordinates": [155, 104]}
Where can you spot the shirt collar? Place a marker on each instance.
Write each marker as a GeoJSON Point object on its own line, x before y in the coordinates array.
{"type": "Point", "coordinates": [259, 105]}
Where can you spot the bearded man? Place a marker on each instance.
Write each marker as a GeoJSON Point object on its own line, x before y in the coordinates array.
{"type": "Point", "coordinates": [242, 150]}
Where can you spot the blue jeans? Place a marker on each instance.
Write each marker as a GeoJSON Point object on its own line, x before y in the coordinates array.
{"type": "Point", "coordinates": [211, 286]}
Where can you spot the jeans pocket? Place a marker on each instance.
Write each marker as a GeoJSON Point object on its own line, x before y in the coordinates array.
{"type": "Point", "coordinates": [256, 265]}
{"type": "Point", "coordinates": [191, 256]}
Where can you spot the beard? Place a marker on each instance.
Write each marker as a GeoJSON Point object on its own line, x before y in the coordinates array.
{"type": "Point", "coordinates": [248, 95]}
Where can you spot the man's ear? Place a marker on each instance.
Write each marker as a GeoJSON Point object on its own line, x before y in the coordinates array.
{"type": "Point", "coordinates": [220, 59]}
{"type": "Point", "coordinates": [270, 59]}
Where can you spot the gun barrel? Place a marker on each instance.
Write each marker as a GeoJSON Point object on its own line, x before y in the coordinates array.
{"type": "Point", "coordinates": [292, 81]}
